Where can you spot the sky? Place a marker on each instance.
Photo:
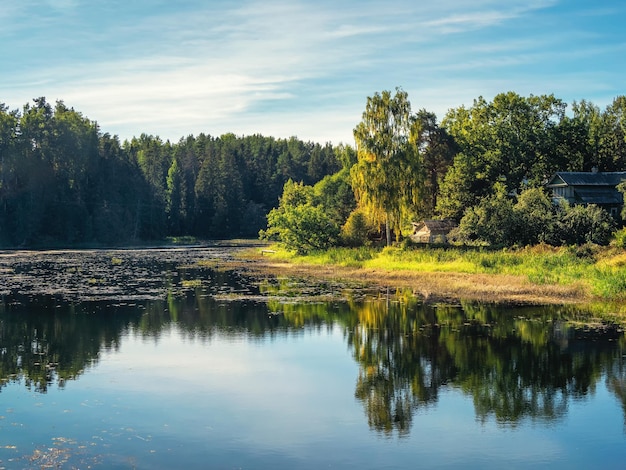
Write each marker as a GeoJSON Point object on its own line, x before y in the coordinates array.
{"type": "Point", "coordinates": [300, 68]}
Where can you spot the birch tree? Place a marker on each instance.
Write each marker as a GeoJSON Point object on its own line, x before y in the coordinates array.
{"type": "Point", "coordinates": [387, 177]}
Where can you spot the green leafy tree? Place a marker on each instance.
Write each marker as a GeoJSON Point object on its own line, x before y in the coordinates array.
{"type": "Point", "coordinates": [437, 150]}
{"type": "Point", "coordinates": [462, 187]}
{"type": "Point", "coordinates": [9, 164]}
{"type": "Point", "coordinates": [535, 216]}
{"type": "Point", "coordinates": [493, 221]}
{"type": "Point", "coordinates": [334, 193]}
{"type": "Point", "coordinates": [387, 178]}
{"type": "Point", "coordinates": [174, 198]}
{"type": "Point", "coordinates": [357, 230]}
{"type": "Point", "coordinates": [509, 140]}
{"type": "Point", "coordinates": [298, 223]}
{"type": "Point", "coordinates": [609, 134]}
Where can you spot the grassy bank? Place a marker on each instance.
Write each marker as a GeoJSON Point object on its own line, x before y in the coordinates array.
{"type": "Point", "coordinates": [540, 274]}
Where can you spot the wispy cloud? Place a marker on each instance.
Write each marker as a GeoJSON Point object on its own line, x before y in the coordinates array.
{"type": "Point", "coordinates": [281, 67]}
{"type": "Point", "coordinates": [472, 16]}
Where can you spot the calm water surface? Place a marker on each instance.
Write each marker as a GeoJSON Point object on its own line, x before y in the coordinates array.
{"type": "Point", "coordinates": [160, 359]}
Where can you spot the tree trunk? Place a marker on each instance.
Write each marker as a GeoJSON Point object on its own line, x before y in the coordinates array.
{"type": "Point", "coordinates": [388, 231]}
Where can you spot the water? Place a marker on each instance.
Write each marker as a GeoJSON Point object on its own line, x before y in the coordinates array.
{"type": "Point", "coordinates": [199, 368]}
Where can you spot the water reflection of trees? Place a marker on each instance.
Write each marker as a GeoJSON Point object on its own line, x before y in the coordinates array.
{"type": "Point", "coordinates": [515, 364]}
{"type": "Point", "coordinates": [51, 342]}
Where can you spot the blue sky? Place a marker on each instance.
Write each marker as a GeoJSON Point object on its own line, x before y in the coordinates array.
{"type": "Point", "coordinates": [299, 67]}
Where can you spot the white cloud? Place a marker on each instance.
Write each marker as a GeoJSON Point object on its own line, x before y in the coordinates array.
{"type": "Point", "coordinates": [287, 68]}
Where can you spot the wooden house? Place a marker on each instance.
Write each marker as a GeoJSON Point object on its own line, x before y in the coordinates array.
{"type": "Point", "coordinates": [432, 231]}
{"type": "Point", "coordinates": [593, 187]}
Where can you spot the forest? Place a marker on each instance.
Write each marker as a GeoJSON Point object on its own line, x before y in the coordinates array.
{"type": "Point", "coordinates": [484, 166]}
{"type": "Point", "coordinates": [66, 182]}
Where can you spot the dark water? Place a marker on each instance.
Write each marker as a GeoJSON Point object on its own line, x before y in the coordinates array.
{"type": "Point", "coordinates": [162, 359]}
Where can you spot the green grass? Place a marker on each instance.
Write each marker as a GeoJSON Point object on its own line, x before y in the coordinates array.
{"type": "Point", "coordinates": [601, 270]}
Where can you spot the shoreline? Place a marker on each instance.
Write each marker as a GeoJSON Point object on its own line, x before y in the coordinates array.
{"type": "Point", "coordinates": [432, 287]}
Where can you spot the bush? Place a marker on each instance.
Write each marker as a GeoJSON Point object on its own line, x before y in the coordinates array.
{"type": "Point", "coordinates": [302, 228]}
{"type": "Point", "coordinates": [619, 238]}
{"type": "Point", "coordinates": [357, 230]}
{"type": "Point", "coordinates": [492, 221]}
{"type": "Point", "coordinates": [298, 223]}
{"type": "Point", "coordinates": [533, 219]}
{"type": "Point", "coordinates": [585, 224]}
{"type": "Point", "coordinates": [536, 217]}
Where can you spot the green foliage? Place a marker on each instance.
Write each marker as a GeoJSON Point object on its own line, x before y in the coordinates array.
{"type": "Point", "coordinates": [493, 221]}
{"type": "Point", "coordinates": [63, 182]}
{"type": "Point", "coordinates": [536, 217]}
{"type": "Point", "coordinates": [388, 176]}
{"type": "Point", "coordinates": [622, 189]}
{"type": "Point", "coordinates": [437, 150]}
{"type": "Point", "coordinates": [334, 193]}
{"type": "Point", "coordinates": [174, 198]}
{"type": "Point", "coordinates": [302, 228]}
{"type": "Point", "coordinates": [298, 223]}
{"type": "Point", "coordinates": [585, 224]}
{"type": "Point", "coordinates": [459, 189]}
{"type": "Point", "coordinates": [533, 219]}
{"type": "Point", "coordinates": [507, 140]}
{"type": "Point", "coordinates": [619, 238]}
{"type": "Point", "coordinates": [357, 229]}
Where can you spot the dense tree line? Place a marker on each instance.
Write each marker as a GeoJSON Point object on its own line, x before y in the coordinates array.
{"type": "Point", "coordinates": [64, 182]}
{"type": "Point", "coordinates": [475, 167]}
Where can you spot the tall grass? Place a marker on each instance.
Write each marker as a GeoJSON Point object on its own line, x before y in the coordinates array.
{"type": "Point", "coordinates": [601, 270]}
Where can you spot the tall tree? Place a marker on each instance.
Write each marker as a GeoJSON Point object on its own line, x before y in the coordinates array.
{"type": "Point", "coordinates": [437, 149]}
{"type": "Point", "coordinates": [509, 140]}
{"type": "Point", "coordinates": [387, 177]}
{"type": "Point", "coordinates": [9, 159]}
{"type": "Point", "coordinates": [175, 198]}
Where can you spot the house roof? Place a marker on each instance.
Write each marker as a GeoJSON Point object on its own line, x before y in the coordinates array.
{"type": "Point", "coordinates": [580, 178]}
{"type": "Point", "coordinates": [435, 226]}
{"type": "Point", "coordinates": [599, 196]}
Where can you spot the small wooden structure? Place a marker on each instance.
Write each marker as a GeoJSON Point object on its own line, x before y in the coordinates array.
{"type": "Point", "coordinates": [432, 231]}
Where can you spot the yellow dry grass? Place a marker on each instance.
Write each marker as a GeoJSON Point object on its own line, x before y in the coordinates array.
{"type": "Point", "coordinates": [434, 286]}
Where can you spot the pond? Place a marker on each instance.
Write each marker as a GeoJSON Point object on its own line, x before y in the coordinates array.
{"type": "Point", "coordinates": [171, 359]}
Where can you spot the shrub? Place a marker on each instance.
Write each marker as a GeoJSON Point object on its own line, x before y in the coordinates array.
{"type": "Point", "coordinates": [492, 221]}
{"type": "Point", "coordinates": [584, 224]}
{"type": "Point", "coordinates": [536, 217]}
{"type": "Point", "coordinates": [619, 238]}
{"type": "Point", "coordinates": [302, 228]}
{"type": "Point", "coordinates": [298, 223]}
{"type": "Point", "coordinates": [357, 230]}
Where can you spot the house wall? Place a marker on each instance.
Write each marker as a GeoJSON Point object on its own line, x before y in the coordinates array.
{"type": "Point", "coordinates": [566, 192]}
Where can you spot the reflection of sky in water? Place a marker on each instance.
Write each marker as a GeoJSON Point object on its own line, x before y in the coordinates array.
{"type": "Point", "coordinates": [286, 401]}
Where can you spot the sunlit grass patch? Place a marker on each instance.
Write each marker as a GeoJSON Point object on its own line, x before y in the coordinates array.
{"type": "Point", "coordinates": [590, 270]}
{"type": "Point", "coordinates": [614, 261]}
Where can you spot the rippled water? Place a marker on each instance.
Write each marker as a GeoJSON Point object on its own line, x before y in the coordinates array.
{"type": "Point", "coordinates": [161, 359]}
